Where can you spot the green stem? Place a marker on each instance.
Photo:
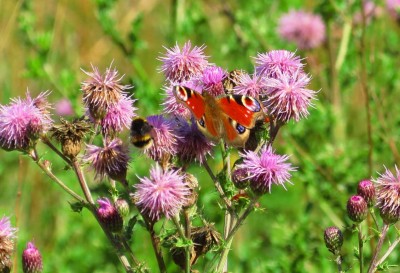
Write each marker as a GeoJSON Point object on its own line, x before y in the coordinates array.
{"type": "Point", "coordinates": [344, 45]}
{"type": "Point", "coordinates": [187, 248]}
{"type": "Point", "coordinates": [360, 248]}
{"type": "Point", "coordinates": [373, 265]}
{"type": "Point", "coordinates": [82, 182]}
{"type": "Point", "coordinates": [387, 253]}
{"type": "Point", "coordinates": [55, 179]}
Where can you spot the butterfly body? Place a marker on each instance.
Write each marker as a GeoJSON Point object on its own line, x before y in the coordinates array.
{"type": "Point", "coordinates": [230, 117]}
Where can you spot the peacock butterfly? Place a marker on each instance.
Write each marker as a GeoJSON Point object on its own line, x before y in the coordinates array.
{"type": "Point", "coordinates": [230, 117]}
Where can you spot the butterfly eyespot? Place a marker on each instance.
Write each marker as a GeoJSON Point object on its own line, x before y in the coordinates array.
{"type": "Point", "coordinates": [251, 104]}
{"type": "Point", "coordinates": [201, 122]}
{"type": "Point", "coordinates": [240, 129]}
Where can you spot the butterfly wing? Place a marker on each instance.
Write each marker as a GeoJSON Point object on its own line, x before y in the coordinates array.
{"type": "Point", "coordinates": [202, 109]}
{"type": "Point", "coordinates": [244, 110]}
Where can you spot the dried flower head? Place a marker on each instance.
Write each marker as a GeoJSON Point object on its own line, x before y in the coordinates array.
{"type": "Point", "coordinates": [70, 135]}
{"type": "Point", "coordinates": [277, 62]}
{"type": "Point", "coordinates": [388, 195]}
{"type": "Point", "coordinates": [305, 29]}
{"type": "Point", "coordinates": [239, 178]}
{"type": "Point", "coordinates": [165, 139]}
{"type": "Point", "coordinates": [212, 79]}
{"type": "Point", "coordinates": [249, 85]}
{"type": "Point", "coordinates": [265, 169]}
{"type": "Point", "coordinates": [119, 116]}
{"type": "Point", "coordinates": [333, 238]}
{"type": "Point", "coordinates": [22, 121]}
{"type": "Point", "coordinates": [100, 92]}
{"type": "Point", "coordinates": [287, 96]}
{"type": "Point", "coordinates": [109, 215]}
{"type": "Point", "coordinates": [163, 193]}
{"type": "Point", "coordinates": [7, 237]}
{"type": "Point", "coordinates": [181, 65]}
{"type": "Point", "coordinates": [366, 189]}
{"type": "Point", "coordinates": [192, 145]}
{"type": "Point", "coordinates": [32, 259]}
{"type": "Point", "coordinates": [110, 160]}
{"type": "Point", "coordinates": [357, 208]}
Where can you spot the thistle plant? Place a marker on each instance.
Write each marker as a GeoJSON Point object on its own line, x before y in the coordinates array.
{"type": "Point", "coordinates": [169, 192]}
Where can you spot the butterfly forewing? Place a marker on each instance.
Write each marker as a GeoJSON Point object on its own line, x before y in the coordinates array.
{"type": "Point", "coordinates": [191, 99]}
{"type": "Point", "coordinates": [243, 109]}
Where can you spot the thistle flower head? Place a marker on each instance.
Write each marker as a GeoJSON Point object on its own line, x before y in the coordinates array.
{"type": "Point", "coordinates": [287, 96]}
{"type": "Point", "coordinates": [163, 193]}
{"type": "Point", "coordinates": [333, 238]}
{"type": "Point", "coordinates": [22, 121]}
{"type": "Point", "coordinates": [164, 138]}
{"type": "Point", "coordinates": [63, 107]}
{"type": "Point", "coordinates": [192, 145]}
{"type": "Point", "coordinates": [239, 178]}
{"type": "Point", "coordinates": [393, 6]}
{"type": "Point", "coordinates": [366, 189]}
{"type": "Point", "coordinates": [277, 62]}
{"type": "Point", "coordinates": [32, 259]}
{"type": "Point", "coordinates": [212, 79]}
{"type": "Point", "coordinates": [119, 116]}
{"type": "Point", "coordinates": [265, 169]}
{"type": "Point", "coordinates": [181, 65]}
{"type": "Point", "coordinates": [109, 215]}
{"type": "Point", "coordinates": [7, 237]}
{"type": "Point", "coordinates": [249, 85]}
{"type": "Point", "coordinates": [305, 29]}
{"type": "Point", "coordinates": [110, 160]}
{"type": "Point", "coordinates": [357, 208]}
{"type": "Point", "coordinates": [70, 135]}
{"type": "Point", "coordinates": [100, 92]}
{"type": "Point", "coordinates": [388, 195]}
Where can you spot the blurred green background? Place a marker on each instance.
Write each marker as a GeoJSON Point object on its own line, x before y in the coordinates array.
{"type": "Point", "coordinates": [44, 44]}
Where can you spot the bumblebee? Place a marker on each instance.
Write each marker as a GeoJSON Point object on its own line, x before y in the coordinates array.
{"type": "Point", "coordinates": [141, 133]}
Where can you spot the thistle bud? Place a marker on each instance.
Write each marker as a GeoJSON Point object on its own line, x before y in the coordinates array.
{"type": "Point", "coordinates": [357, 208]}
{"type": "Point", "coordinates": [366, 189]}
{"type": "Point", "coordinates": [389, 216]}
{"type": "Point", "coordinates": [31, 259]}
{"type": "Point", "coordinates": [122, 207]}
{"type": "Point", "coordinates": [109, 216]}
{"type": "Point", "coordinates": [239, 178]}
{"type": "Point", "coordinates": [333, 238]}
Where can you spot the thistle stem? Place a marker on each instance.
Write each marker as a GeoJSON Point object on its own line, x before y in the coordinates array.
{"type": "Point", "coordinates": [373, 265]}
{"type": "Point", "coordinates": [360, 248]}
{"type": "Point", "coordinates": [390, 250]}
{"type": "Point", "coordinates": [82, 182]}
{"type": "Point", "coordinates": [338, 261]}
{"type": "Point", "coordinates": [187, 248]}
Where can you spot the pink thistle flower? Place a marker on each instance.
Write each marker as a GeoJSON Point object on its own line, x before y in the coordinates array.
{"type": "Point", "coordinates": [181, 65]}
{"type": "Point", "coordinates": [164, 138]}
{"type": "Point", "coordinates": [192, 145]}
{"type": "Point", "coordinates": [388, 195]}
{"type": "Point", "coordinates": [249, 85]}
{"type": "Point", "coordinates": [22, 121]}
{"type": "Point", "coordinates": [265, 169]}
{"type": "Point", "coordinates": [119, 116]}
{"type": "Point", "coordinates": [163, 193]}
{"type": "Point", "coordinates": [64, 108]}
{"type": "Point", "coordinates": [32, 259]}
{"type": "Point", "coordinates": [212, 79]}
{"type": "Point", "coordinates": [100, 92]}
{"type": "Point", "coordinates": [7, 237]}
{"type": "Point", "coordinates": [287, 96]}
{"type": "Point", "coordinates": [109, 215]}
{"type": "Point", "coordinates": [305, 29]}
{"type": "Point", "coordinates": [393, 7]}
{"type": "Point", "coordinates": [276, 62]}
{"type": "Point", "coordinates": [110, 160]}
{"type": "Point", "coordinates": [175, 108]}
